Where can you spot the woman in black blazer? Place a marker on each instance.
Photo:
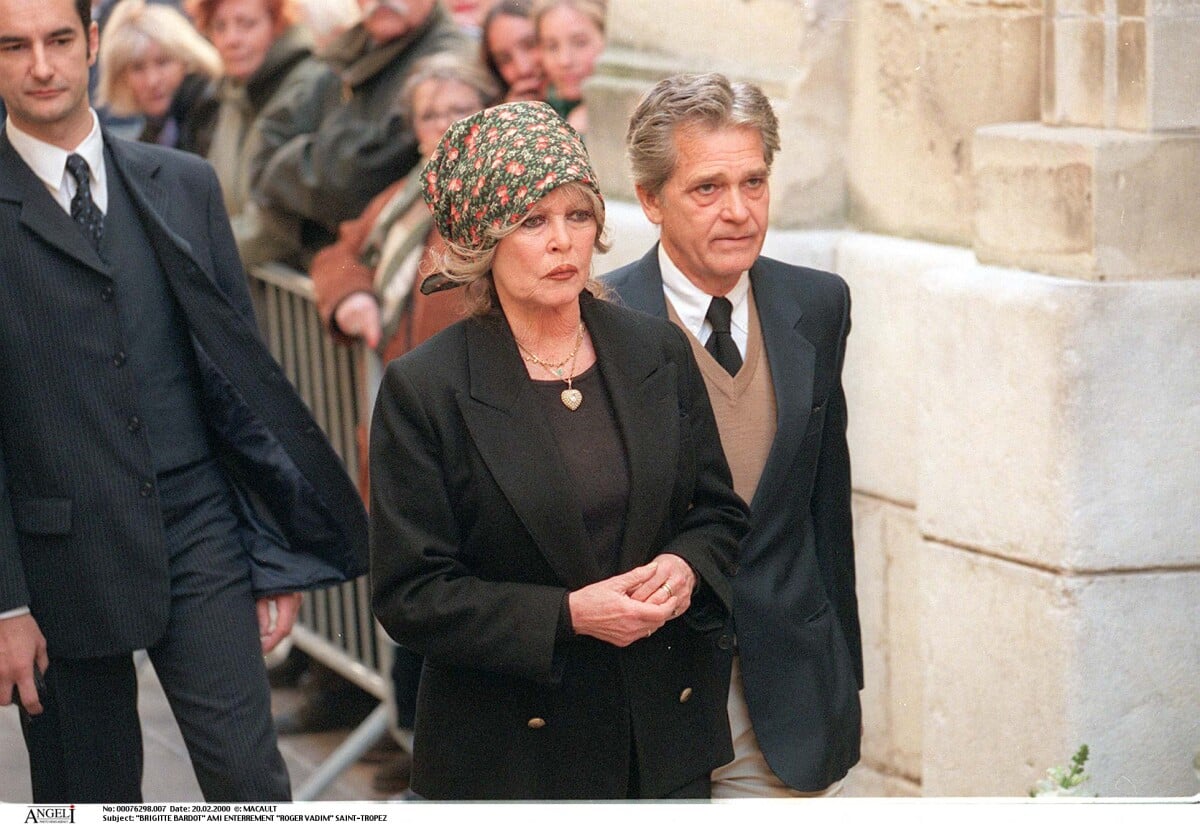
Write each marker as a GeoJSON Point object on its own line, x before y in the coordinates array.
{"type": "Point", "coordinates": [552, 514]}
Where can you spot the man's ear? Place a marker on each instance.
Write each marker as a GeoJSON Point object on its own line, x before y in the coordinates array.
{"type": "Point", "coordinates": [650, 204]}
{"type": "Point", "coordinates": [93, 42]}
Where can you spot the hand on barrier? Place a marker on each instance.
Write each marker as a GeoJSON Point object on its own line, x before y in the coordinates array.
{"type": "Point", "coordinates": [358, 316]}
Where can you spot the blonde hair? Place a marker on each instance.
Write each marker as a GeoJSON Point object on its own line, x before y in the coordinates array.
{"type": "Point", "coordinates": [472, 268]}
{"type": "Point", "coordinates": [134, 25]}
{"type": "Point", "coordinates": [594, 10]}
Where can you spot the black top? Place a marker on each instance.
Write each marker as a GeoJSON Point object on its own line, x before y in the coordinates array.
{"type": "Point", "coordinates": [594, 455]}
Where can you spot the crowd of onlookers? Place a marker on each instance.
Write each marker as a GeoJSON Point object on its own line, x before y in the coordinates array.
{"type": "Point", "coordinates": [300, 105]}
{"type": "Point", "coordinates": [317, 116]}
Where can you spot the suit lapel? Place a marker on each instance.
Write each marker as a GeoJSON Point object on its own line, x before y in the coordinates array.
{"type": "Point", "coordinates": [520, 451]}
{"type": "Point", "coordinates": [641, 387]}
{"type": "Point", "coordinates": [793, 360]}
{"type": "Point", "coordinates": [152, 202]}
{"type": "Point", "coordinates": [646, 291]}
{"type": "Point", "coordinates": [518, 447]}
{"type": "Point", "coordinates": [40, 214]}
{"type": "Point", "coordinates": [202, 301]}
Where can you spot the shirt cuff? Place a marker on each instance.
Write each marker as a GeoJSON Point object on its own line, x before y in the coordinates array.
{"type": "Point", "coordinates": [14, 613]}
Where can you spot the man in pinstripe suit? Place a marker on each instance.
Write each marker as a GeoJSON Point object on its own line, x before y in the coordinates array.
{"type": "Point", "coordinates": [161, 485]}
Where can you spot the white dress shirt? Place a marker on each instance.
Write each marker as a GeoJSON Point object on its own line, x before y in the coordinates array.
{"type": "Point", "coordinates": [691, 303]}
{"type": "Point", "coordinates": [49, 163]}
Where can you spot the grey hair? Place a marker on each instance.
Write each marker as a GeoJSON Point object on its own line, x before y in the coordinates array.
{"type": "Point", "coordinates": [473, 267]}
{"type": "Point", "coordinates": [449, 66]}
{"type": "Point", "coordinates": [704, 101]}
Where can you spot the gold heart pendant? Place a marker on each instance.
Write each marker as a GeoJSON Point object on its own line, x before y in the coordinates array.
{"type": "Point", "coordinates": [571, 398]}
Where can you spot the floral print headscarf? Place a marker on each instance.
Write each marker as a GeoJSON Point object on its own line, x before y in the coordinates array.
{"type": "Point", "coordinates": [490, 169]}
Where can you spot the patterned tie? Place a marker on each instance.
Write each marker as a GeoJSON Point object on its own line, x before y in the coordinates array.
{"type": "Point", "coordinates": [84, 210]}
{"type": "Point", "coordinates": [720, 343]}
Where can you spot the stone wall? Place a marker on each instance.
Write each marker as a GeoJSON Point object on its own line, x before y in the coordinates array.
{"type": "Point", "coordinates": [925, 75]}
{"type": "Point", "coordinates": [797, 52]}
{"type": "Point", "coordinates": [1009, 190]}
{"type": "Point", "coordinates": [1058, 442]}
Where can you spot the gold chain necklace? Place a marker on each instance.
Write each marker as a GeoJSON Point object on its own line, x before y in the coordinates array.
{"type": "Point", "coordinates": [571, 397]}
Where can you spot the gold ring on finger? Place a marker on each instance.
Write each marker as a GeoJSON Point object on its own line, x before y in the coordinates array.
{"type": "Point", "coordinates": [667, 587]}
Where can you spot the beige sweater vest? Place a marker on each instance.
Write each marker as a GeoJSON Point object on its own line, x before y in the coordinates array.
{"type": "Point", "coordinates": [743, 404]}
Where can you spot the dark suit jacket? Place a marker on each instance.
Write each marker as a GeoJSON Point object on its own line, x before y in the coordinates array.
{"type": "Point", "coordinates": [477, 538]}
{"type": "Point", "coordinates": [81, 535]}
{"type": "Point", "coordinates": [794, 603]}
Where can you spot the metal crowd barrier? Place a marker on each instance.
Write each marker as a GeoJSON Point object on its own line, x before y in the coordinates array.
{"type": "Point", "coordinates": [335, 625]}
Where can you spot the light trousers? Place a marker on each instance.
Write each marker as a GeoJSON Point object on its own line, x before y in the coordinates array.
{"type": "Point", "coordinates": [748, 774]}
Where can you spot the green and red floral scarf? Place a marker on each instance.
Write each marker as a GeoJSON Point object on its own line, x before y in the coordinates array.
{"type": "Point", "coordinates": [490, 169]}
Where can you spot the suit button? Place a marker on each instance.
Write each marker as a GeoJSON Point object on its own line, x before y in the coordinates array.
{"type": "Point", "coordinates": [685, 695]}
{"type": "Point", "coordinates": [147, 490]}
{"type": "Point", "coordinates": [537, 723]}
{"type": "Point", "coordinates": [135, 423]}
{"type": "Point", "coordinates": [725, 642]}
{"type": "Point", "coordinates": [118, 360]}
{"type": "Point", "coordinates": [733, 570]}
{"type": "Point", "coordinates": [107, 293]}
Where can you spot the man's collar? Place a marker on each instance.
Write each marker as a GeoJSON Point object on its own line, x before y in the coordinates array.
{"type": "Point", "coordinates": [691, 302]}
{"type": "Point", "coordinates": [49, 162]}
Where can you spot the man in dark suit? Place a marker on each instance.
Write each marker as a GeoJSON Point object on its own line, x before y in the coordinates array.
{"type": "Point", "coordinates": [161, 485]}
{"type": "Point", "coordinates": [774, 340]}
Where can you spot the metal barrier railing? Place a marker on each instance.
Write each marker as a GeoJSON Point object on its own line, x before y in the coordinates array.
{"type": "Point", "coordinates": [335, 625]}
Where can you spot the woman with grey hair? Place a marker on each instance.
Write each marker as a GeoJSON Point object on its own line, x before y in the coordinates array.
{"type": "Point", "coordinates": [552, 514]}
{"type": "Point", "coordinates": [366, 281]}
{"type": "Point", "coordinates": [155, 65]}
{"type": "Point", "coordinates": [365, 284]}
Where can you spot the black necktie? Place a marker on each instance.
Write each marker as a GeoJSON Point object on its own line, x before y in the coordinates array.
{"type": "Point", "coordinates": [720, 343]}
{"type": "Point", "coordinates": [84, 210]}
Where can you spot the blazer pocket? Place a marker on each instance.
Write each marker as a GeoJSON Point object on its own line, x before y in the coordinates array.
{"type": "Point", "coordinates": [659, 383]}
{"type": "Point", "coordinates": [820, 613]}
{"type": "Point", "coordinates": [815, 424]}
{"type": "Point", "coordinates": [43, 516]}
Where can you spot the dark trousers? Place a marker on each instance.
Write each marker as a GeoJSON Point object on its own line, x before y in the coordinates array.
{"type": "Point", "coordinates": [86, 747]}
